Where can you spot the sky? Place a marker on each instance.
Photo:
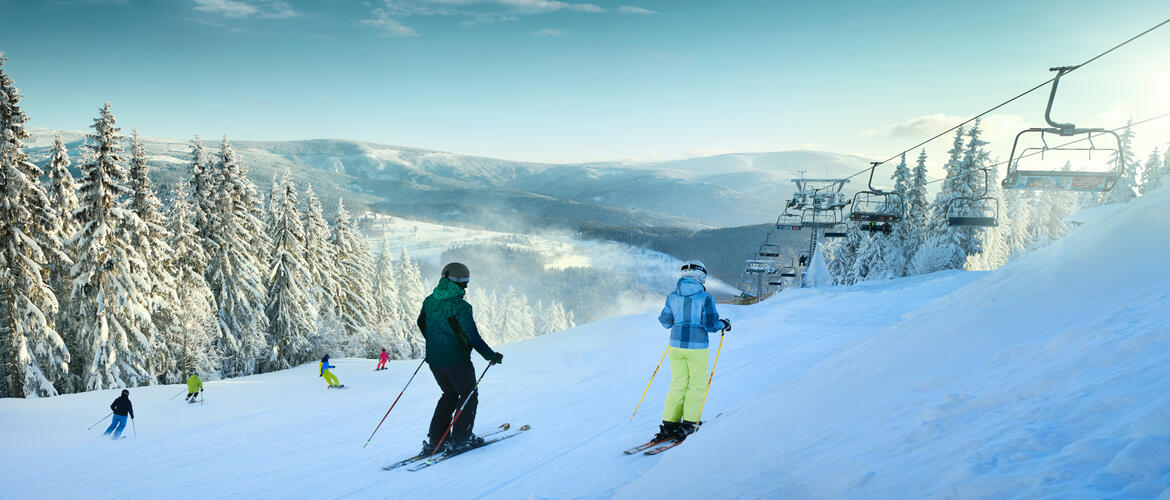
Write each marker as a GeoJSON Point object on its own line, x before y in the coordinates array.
{"type": "Point", "coordinates": [553, 81]}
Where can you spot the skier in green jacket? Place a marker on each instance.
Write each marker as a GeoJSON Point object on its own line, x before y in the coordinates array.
{"type": "Point", "coordinates": [194, 387]}
{"type": "Point", "coordinates": [447, 324]}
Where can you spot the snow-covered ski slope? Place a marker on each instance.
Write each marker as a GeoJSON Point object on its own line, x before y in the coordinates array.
{"type": "Point", "coordinates": [1047, 377]}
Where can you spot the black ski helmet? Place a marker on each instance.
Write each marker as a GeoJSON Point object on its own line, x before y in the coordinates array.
{"type": "Point", "coordinates": [457, 272]}
{"type": "Point", "coordinates": [125, 392]}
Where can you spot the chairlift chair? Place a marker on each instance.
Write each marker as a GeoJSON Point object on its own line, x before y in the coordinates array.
{"type": "Point", "coordinates": [982, 198]}
{"type": "Point", "coordinates": [834, 233]}
{"type": "Point", "coordinates": [876, 205]}
{"type": "Point", "coordinates": [758, 267]}
{"type": "Point", "coordinates": [769, 250]}
{"type": "Point", "coordinates": [1062, 180]}
{"type": "Point", "coordinates": [788, 221]}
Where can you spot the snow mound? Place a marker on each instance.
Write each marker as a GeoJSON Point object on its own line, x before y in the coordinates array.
{"type": "Point", "coordinates": [1048, 377]}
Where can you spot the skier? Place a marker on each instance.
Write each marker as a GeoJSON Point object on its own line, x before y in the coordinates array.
{"type": "Point", "coordinates": [382, 359]}
{"type": "Point", "coordinates": [690, 315]}
{"type": "Point", "coordinates": [194, 387]}
{"type": "Point", "coordinates": [449, 329]}
{"type": "Point", "coordinates": [121, 407]}
{"type": "Point", "coordinates": [323, 368]}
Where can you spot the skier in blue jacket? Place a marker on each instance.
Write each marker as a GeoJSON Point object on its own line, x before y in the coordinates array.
{"type": "Point", "coordinates": [690, 314]}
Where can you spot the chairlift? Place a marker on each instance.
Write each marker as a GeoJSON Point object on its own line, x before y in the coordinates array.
{"type": "Point", "coordinates": [758, 267]}
{"type": "Point", "coordinates": [769, 250]}
{"type": "Point", "coordinates": [788, 221]}
{"type": "Point", "coordinates": [834, 233]}
{"type": "Point", "coordinates": [1056, 179]}
{"type": "Point", "coordinates": [982, 198]}
{"type": "Point", "coordinates": [875, 205]}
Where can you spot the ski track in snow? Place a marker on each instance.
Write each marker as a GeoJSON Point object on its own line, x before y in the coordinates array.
{"type": "Point", "coordinates": [1045, 378]}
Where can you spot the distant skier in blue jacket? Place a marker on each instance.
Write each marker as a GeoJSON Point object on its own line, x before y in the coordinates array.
{"type": "Point", "coordinates": [690, 314]}
{"type": "Point", "coordinates": [323, 371]}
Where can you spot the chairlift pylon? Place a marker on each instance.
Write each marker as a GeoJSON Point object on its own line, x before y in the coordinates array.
{"type": "Point", "coordinates": [1062, 180]}
{"type": "Point", "coordinates": [975, 221]}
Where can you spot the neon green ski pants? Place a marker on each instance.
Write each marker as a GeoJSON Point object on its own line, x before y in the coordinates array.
{"type": "Point", "coordinates": [688, 384]}
{"type": "Point", "coordinates": [330, 378]}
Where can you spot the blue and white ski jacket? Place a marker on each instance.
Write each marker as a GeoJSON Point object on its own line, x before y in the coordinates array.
{"type": "Point", "coordinates": [690, 314]}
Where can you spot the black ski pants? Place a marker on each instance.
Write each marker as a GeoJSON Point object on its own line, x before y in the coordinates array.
{"type": "Point", "coordinates": [457, 383]}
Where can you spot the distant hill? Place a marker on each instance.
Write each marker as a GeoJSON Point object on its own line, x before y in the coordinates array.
{"type": "Point", "coordinates": [697, 193]}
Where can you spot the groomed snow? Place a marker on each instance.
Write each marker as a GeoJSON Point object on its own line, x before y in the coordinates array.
{"type": "Point", "coordinates": [1047, 377]}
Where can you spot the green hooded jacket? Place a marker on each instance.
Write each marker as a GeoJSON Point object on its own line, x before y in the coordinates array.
{"type": "Point", "coordinates": [448, 326]}
{"type": "Point", "coordinates": [194, 384]}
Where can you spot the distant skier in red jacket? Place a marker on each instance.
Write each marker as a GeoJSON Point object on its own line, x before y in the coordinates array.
{"type": "Point", "coordinates": [382, 359]}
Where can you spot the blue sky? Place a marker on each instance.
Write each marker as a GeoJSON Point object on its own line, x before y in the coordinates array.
{"type": "Point", "coordinates": [545, 80]}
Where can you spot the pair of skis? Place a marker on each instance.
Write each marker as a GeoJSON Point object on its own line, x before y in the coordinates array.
{"type": "Point", "coordinates": [655, 447]}
{"type": "Point", "coordinates": [424, 460]}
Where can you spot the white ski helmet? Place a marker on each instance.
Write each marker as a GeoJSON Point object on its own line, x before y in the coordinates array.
{"type": "Point", "coordinates": [694, 269]}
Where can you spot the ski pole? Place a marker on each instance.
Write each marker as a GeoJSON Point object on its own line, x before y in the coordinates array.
{"type": "Point", "coordinates": [177, 395]}
{"type": "Point", "coordinates": [395, 402]}
{"type": "Point", "coordinates": [135, 427]}
{"type": "Point", "coordinates": [708, 391]}
{"type": "Point", "coordinates": [655, 374]}
{"type": "Point", "coordinates": [100, 421]}
{"type": "Point", "coordinates": [460, 412]}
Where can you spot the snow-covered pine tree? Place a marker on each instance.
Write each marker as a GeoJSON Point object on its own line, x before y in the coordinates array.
{"type": "Point", "coordinates": [913, 233]}
{"type": "Point", "coordinates": [1126, 188]}
{"type": "Point", "coordinates": [35, 356]}
{"type": "Point", "coordinates": [233, 274]}
{"type": "Point", "coordinates": [152, 239]}
{"type": "Point", "coordinates": [110, 291]}
{"type": "Point", "coordinates": [320, 258]}
{"type": "Point", "coordinates": [843, 256]}
{"type": "Point", "coordinates": [1153, 175]}
{"type": "Point", "coordinates": [204, 187]}
{"type": "Point", "coordinates": [353, 292]}
{"type": "Point", "coordinates": [273, 202]}
{"type": "Point", "coordinates": [62, 192]}
{"type": "Point", "coordinates": [387, 308]}
{"type": "Point", "coordinates": [969, 183]}
{"type": "Point", "coordinates": [411, 290]}
{"type": "Point", "coordinates": [195, 312]}
{"type": "Point", "coordinates": [292, 319]}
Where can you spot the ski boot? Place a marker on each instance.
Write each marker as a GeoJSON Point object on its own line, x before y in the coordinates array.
{"type": "Point", "coordinates": [666, 431]}
{"type": "Point", "coordinates": [466, 443]}
{"type": "Point", "coordinates": [428, 448]}
{"type": "Point", "coordinates": [686, 428]}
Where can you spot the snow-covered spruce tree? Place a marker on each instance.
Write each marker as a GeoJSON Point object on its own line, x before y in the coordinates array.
{"type": "Point", "coordinates": [843, 256]}
{"type": "Point", "coordinates": [194, 319]}
{"type": "Point", "coordinates": [110, 290]}
{"type": "Point", "coordinates": [354, 270]}
{"type": "Point", "coordinates": [273, 202]}
{"type": "Point", "coordinates": [35, 355]}
{"type": "Point", "coordinates": [411, 289]}
{"type": "Point", "coordinates": [292, 319]}
{"type": "Point", "coordinates": [1154, 174]}
{"type": "Point", "coordinates": [913, 229]}
{"type": "Point", "coordinates": [387, 308]}
{"type": "Point", "coordinates": [62, 192]}
{"type": "Point", "coordinates": [320, 258]}
{"type": "Point", "coordinates": [1126, 188]}
{"type": "Point", "coordinates": [204, 186]}
{"type": "Point", "coordinates": [233, 272]}
{"type": "Point", "coordinates": [152, 240]}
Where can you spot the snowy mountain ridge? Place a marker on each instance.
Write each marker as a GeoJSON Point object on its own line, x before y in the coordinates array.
{"type": "Point", "coordinates": [729, 189]}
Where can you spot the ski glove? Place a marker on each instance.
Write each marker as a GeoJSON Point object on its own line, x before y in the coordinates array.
{"type": "Point", "coordinates": [726, 325]}
{"type": "Point", "coordinates": [497, 359]}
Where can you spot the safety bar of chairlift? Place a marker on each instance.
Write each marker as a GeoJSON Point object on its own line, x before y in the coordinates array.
{"type": "Point", "coordinates": [1061, 129]}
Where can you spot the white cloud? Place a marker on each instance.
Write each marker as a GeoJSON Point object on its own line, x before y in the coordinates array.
{"type": "Point", "coordinates": [387, 24]}
{"type": "Point", "coordinates": [267, 9]}
{"type": "Point", "coordinates": [548, 32]}
{"type": "Point", "coordinates": [630, 9]}
{"type": "Point", "coordinates": [392, 15]}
